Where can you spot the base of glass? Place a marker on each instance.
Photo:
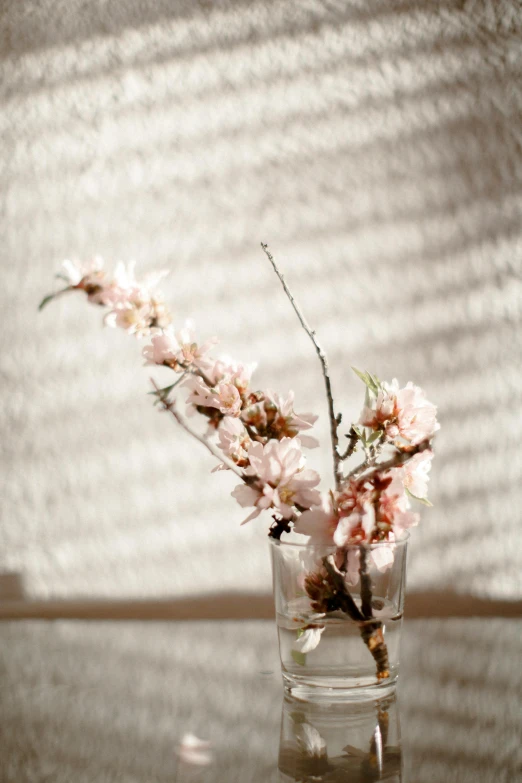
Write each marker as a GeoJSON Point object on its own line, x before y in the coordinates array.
{"type": "Point", "coordinates": [328, 688]}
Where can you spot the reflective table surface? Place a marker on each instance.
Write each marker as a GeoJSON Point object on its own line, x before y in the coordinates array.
{"type": "Point", "coordinates": [100, 702]}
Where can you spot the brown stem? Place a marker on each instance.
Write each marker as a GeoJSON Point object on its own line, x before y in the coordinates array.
{"type": "Point", "coordinates": [346, 602]}
{"type": "Point", "coordinates": [370, 629]}
{"type": "Point", "coordinates": [171, 408]}
{"type": "Point", "coordinates": [373, 637]}
{"type": "Point", "coordinates": [334, 420]}
{"type": "Point", "coordinates": [366, 585]}
{"type": "Point", "coordinates": [352, 443]}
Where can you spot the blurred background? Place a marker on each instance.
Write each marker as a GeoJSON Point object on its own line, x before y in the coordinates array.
{"type": "Point", "coordinates": [377, 148]}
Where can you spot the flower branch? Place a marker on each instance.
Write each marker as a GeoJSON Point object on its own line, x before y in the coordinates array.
{"type": "Point", "coordinates": [260, 438]}
{"type": "Point", "coordinates": [398, 459]}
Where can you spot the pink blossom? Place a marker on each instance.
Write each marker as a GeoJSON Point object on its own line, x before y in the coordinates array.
{"type": "Point", "coordinates": [394, 508]}
{"type": "Point", "coordinates": [163, 349]}
{"type": "Point", "coordinates": [192, 750]}
{"type": "Point", "coordinates": [178, 350]}
{"type": "Point", "coordinates": [273, 416]}
{"type": "Point", "coordinates": [291, 422]}
{"type": "Point", "coordinates": [224, 396]}
{"type": "Point", "coordinates": [229, 384]}
{"type": "Point", "coordinates": [281, 480]}
{"type": "Point", "coordinates": [374, 508]}
{"type": "Point", "coordinates": [247, 496]}
{"type": "Point", "coordinates": [234, 440]}
{"type": "Point", "coordinates": [123, 292]}
{"type": "Point", "coordinates": [357, 527]}
{"type": "Point", "coordinates": [416, 473]}
{"type": "Point", "coordinates": [189, 351]}
{"type": "Point", "coordinates": [226, 369]}
{"type": "Point", "coordinates": [124, 286]}
{"type": "Point", "coordinates": [403, 414]}
{"type": "Point", "coordinates": [74, 272]}
{"type": "Point", "coordinates": [89, 277]}
{"type": "Point", "coordinates": [319, 522]}
{"type": "Point", "coordinates": [133, 320]}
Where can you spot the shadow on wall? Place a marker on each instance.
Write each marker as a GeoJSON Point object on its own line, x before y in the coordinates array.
{"type": "Point", "coordinates": [382, 140]}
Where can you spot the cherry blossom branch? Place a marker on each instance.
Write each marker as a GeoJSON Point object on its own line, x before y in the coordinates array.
{"type": "Point", "coordinates": [398, 459]}
{"type": "Point", "coordinates": [171, 408]}
{"type": "Point", "coordinates": [335, 420]}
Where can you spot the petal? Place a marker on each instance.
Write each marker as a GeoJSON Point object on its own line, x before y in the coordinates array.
{"type": "Point", "coordinates": [255, 513]}
{"type": "Point", "coordinates": [309, 442]}
{"type": "Point", "coordinates": [220, 466]}
{"type": "Point", "coordinates": [245, 495]}
{"type": "Point", "coordinates": [310, 741]}
{"type": "Point", "coordinates": [309, 640]}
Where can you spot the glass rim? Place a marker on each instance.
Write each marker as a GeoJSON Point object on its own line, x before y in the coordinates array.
{"type": "Point", "coordinates": [401, 541]}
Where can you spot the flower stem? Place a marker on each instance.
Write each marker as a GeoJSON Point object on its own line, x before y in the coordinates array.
{"type": "Point", "coordinates": [370, 629]}
{"type": "Point", "coordinates": [366, 585]}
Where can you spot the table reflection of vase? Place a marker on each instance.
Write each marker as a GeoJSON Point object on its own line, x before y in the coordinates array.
{"type": "Point", "coordinates": [340, 741]}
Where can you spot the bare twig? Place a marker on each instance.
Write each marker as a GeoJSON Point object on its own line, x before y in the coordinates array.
{"type": "Point", "coordinates": [171, 408]}
{"type": "Point", "coordinates": [334, 420]}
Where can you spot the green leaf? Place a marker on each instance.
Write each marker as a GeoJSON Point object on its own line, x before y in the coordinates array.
{"type": "Point", "coordinates": [375, 380]}
{"type": "Point", "coordinates": [299, 657]}
{"type": "Point", "coordinates": [421, 500]}
{"type": "Point", "coordinates": [374, 436]}
{"type": "Point", "coordinates": [45, 301]}
{"type": "Point", "coordinates": [160, 393]}
{"type": "Point", "coordinates": [372, 383]}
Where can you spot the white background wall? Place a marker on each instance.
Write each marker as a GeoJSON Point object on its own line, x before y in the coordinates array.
{"type": "Point", "coordinates": [376, 146]}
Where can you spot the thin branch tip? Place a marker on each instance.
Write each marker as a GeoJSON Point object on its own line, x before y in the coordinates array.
{"type": "Point", "coordinates": [334, 422]}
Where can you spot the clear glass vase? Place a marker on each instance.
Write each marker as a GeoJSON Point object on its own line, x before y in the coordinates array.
{"type": "Point", "coordinates": [339, 617]}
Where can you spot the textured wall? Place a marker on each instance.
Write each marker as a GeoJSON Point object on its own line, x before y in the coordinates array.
{"type": "Point", "coordinates": [376, 146]}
